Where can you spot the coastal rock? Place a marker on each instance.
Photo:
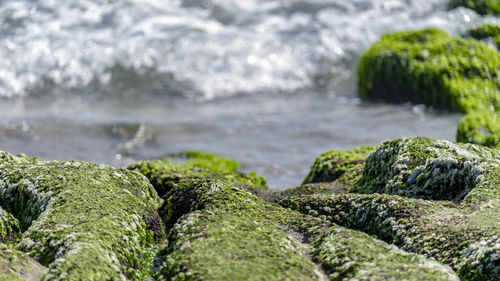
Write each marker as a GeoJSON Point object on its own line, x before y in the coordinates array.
{"type": "Point", "coordinates": [222, 232]}
{"type": "Point", "coordinates": [482, 7]}
{"type": "Point", "coordinates": [487, 31]}
{"type": "Point", "coordinates": [429, 67]}
{"type": "Point", "coordinates": [164, 174]}
{"type": "Point", "coordinates": [480, 127]}
{"type": "Point", "coordinates": [81, 220]}
{"type": "Point", "coordinates": [344, 166]}
{"type": "Point", "coordinates": [18, 266]}
{"type": "Point", "coordinates": [434, 198]}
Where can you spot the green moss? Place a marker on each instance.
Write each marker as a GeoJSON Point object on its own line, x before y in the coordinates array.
{"type": "Point", "coordinates": [486, 31]}
{"type": "Point", "coordinates": [16, 265]}
{"type": "Point", "coordinates": [227, 233]}
{"type": "Point", "coordinates": [344, 166]}
{"type": "Point", "coordinates": [481, 127]}
{"type": "Point", "coordinates": [9, 227]}
{"type": "Point", "coordinates": [428, 67]}
{"type": "Point", "coordinates": [464, 233]}
{"type": "Point", "coordinates": [482, 7]}
{"type": "Point", "coordinates": [163, 174]}
{"type": "Point", "coordinates": [81, 220]}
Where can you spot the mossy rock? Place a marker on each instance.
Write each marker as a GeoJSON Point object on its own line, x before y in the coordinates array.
{"type": "Point", "coordinates": [487, 31]}
{"type": "Point", "coordinates": [83, 221]}
{"type": "Point", "coordinates": [18, 266]}
{"type": "Point", "coordinates": [482, 7]}
{"type": "Point", "coordinates": [222, 232]}
{"type": "Point", "coordinates": [480, 127]}
{"type": "Point", "coordinates": [343, 166]}
{"type": "Point", "coordinates": [9, 228]}
{"type": "Point", "coordinates": [165, 173]}
{"type": "Point", "coordinates": [459, 226]}
{"type": "Point", "coordinates": [429, 67]}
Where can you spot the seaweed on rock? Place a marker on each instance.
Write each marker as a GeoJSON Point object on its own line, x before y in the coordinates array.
{"type": "Point", "coordinates": [164, 174]}
{"type": "Point", "coordinates": [480, 127]}
{"type": "Point", "coordinates": [429, 67]}
{"type": "Point", "coordinates": [483, 7]}
{"type": "Point", "coordinates": [458, 227]}
{"type": "Point", "coordinates": [81, 220]}
{"type": "Point", "coordinates": [227, 233]}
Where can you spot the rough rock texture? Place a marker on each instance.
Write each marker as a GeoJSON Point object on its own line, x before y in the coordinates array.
{"type": "Point", "coordinates": [482, 7]}
{"type": "Point", "coordinates": [18, 266]}
{"type": "Point", "coordinates": [344, 166]}
{"type": "Point", "coordinates": [221, 232]}
{"type": "Point", "coordinates": [458, 227]}
{"type": "Point", "coordinates": [81, 220]}
{"type": "Point", "coordinates": [165, 173]}
{"type": "Point", "coordinates": [480, 127]}
{"type": "Point", "coordinates": [428, 67]}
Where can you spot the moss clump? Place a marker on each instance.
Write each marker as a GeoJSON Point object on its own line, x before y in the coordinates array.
{"type": "Point", "coordinates": [163, 174]}
{"type": "Point", "coordinates": [428, 67]}
{"type": "Point", "coordinates": [227, 233]}
{"type": "Point", "coordinates": [81, 220]}
{"type": "Point", "coordinates": [344, 166]}
{"type": "Point", "coordinates": [487, 31]}
{"type": "Point", "coordinates": [482, 7]}
{"type": "Point", "coordinates": [481, 127]}
{"type": "Point", "coordinates": [9, 227]}
{"type": "Point", "coordinates": [18, 266]}
{"type": "Point", "coordinates": [464, 233]}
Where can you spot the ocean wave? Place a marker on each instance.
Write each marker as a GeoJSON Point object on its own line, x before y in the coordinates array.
{"type": "Point", "coordinates": [200, 49]}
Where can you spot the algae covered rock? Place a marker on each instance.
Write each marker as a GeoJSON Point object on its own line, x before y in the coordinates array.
{"type": "Point", "coordinates": [18, 266]}
{"type": "Point", "coordinates": [344, 166]}
{"type": "Point", "coordinates": [430, 197]}
{"type": "Point", "coordinates": [227, 233]}
{"type": "Point", "coordinates": [429, 67]}
{"type": "Point", "coordinates": [487, 31]}
{"type": "Point", "coordinates": [163, 174]}
{"type": "Point", "coordinates": [480, 127]}
{"type": "Point", "coordinates": [482, 7]}
{"type": "Point", "coordinates": [83, 221]}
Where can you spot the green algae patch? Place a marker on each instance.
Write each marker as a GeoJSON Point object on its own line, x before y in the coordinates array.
{"type": "Point", "coordinates": [459, 226]}
{"type": "Point", "coordinates": [487, 31]}
{"type": "Point", "coordinates": [163, 174]}
{"type": "Point", "coordinates": [344, 166]}
{"type": "Point", "coordinates": [18, 266]}
{"type": "Point", "coordinates": [480, 127]}
{"type": "Point", "coordinates": [374, 259]}
{"type": "Point", "coordinates": [9, 228]}
{"type": "Point", "coordinates": [227, 233]}
{"type": "Point", "coordinates": [482, 7]}
{"type": "Point", "coordinates": [429, 67]}
{"type": "Point", "coordinates": [81, 220]}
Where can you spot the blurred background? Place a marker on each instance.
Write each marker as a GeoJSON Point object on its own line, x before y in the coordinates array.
{"type": "Point", "coordinates": [270, 83]}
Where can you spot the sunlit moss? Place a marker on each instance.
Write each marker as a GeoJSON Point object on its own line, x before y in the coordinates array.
{"type": "Point", "coordinates": [480, 127]}
{"type": "Point", "coordinates": [429, 67]}
{"type": "Point", "coordinates": [482, 7]}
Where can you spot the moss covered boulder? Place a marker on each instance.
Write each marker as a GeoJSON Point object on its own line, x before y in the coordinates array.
{"type": "Point", "coordinates": [430, 197]}
{"type": "Point", "coordinates": [482, 7]}
{"type": "Point", "coordinates": [165, 173]}
{"type": "Point", "coordinates": [82, 221]}
{"type": "Point", "coordinates": [222, 232]}
{"type": "Point", "coordinates": [429, 67]}
{"type": "Point", "coordinates": [18, 266]}
{"type": "Point", "coordinates": [487, 31]}
{"type": "Point", "coordinates": [481, 127]}
{"type": "Point", "coordinates": [343, 166]}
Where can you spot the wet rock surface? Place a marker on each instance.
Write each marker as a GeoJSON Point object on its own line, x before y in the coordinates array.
{"type": "Point", "coordinates": [413, 209]}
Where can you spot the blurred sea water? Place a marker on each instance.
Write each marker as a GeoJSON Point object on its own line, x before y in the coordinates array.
{"type": "Point", "coordinates": [271, 83]}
